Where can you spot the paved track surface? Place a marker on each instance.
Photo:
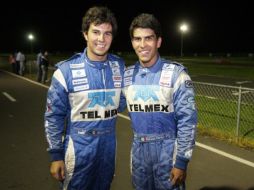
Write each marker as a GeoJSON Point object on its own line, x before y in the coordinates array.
{"type": "Point", "coordinates": [24, 163]}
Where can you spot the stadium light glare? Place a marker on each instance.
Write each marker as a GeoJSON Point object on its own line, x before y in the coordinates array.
{"type": "Point", "coordinates": [183, 29]}
{"type": "Point", "coordinates": [31, 39]}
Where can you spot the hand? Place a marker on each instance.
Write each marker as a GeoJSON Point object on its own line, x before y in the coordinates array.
{"type": "Point", "coordinates": [57, 170]}
{"type": "Point", "coordinates": [177, 176]}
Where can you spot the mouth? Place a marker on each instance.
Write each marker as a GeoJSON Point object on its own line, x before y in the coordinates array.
{"type": "Point", "coordinates": [144, 52]}
{"type": "Point", "coordinates": [101, 46]}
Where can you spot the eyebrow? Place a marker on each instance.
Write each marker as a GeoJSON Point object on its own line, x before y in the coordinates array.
{"type": "Point", "coordinates": [149, 36]}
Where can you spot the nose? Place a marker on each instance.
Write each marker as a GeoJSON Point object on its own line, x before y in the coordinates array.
{"type": "Point", "coordinates": [142, 43]}
{"type": "Point", "coordinates": [101, 37]}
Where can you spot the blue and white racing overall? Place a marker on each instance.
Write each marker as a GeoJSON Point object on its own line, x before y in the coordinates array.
{"type": "Point", "coordinates": [160, 101]}
{"type": "Point", "coordinates": [82, 103]}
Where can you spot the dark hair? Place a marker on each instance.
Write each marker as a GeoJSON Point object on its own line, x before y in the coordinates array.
{"type": "Point", "coordinates": [146, 20]}
{"type": "Point", "coordinates": [98, 15]}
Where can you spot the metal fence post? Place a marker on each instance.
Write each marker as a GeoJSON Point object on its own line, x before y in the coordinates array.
{"type": "Point", "coordinates": [238, 113]}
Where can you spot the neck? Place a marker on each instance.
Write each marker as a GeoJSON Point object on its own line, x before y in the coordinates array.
{"type": "Point", "coordinates": [149, 63]}
{"type": "Point", "coordinates": [94, 57]}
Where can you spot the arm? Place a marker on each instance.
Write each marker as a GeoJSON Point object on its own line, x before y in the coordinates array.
{"type": "Point", "coordinates": [122, 103]}
{"type": "Point", "coordinates": [56, 112]}
{"type": "Point", "coordinates": [186, 116]}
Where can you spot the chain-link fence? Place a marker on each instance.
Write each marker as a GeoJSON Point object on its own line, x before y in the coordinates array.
{"type": "Point", "coordinates": [226, 111]}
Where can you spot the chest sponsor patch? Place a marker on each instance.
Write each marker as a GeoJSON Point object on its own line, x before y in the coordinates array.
{"type": "Point", "coordinates": [169, 67]}
{"type": "Point", "coordinates": [167, 73]}
{"type": "Point", "coordinates": [80, 88]}
{"type": "Point", "coordinates": [117, 84]}
{"type": "Point", "coordinates": [117, 78]}
{"type": "Point", "coordinates": [79, 81]}
{"type": "Point", "coordinates": [128, 72]}
{"type": "Point", "coordinates": [166, 77]}
{"type": "Point", "coordinates": [114, 64]}
{"type": "Point", "coordinates": [127, 81]}
{"type": "Point", "coordinates": [78, 73]}
{"type": "Point", "coordinates": [131, 67]}
{"type": "Point", "coordinates": [102, 99]}
{"type": "Point", "coordinates": [116, 71]}
{"type": "Point", "coordinates": [76, 66]}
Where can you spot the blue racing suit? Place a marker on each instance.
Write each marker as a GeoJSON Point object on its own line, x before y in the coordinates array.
{"type": "Point", "coordinates": [160, 101]}
{"type": "Point", "coordinates": [82, 105]}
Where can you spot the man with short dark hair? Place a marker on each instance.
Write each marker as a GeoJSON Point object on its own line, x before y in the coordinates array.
{"type": "Point", "coordinates": [85, 94]}
{"type": "Point", "coordinates": [160, 100]}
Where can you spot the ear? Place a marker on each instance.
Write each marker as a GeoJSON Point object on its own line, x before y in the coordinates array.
{"type": "Point", "coordinates": [159, 42]}
{"type": "Point", "coordinates": [132, 43]}
{"type": "Point", "coordinates": [85, 35]}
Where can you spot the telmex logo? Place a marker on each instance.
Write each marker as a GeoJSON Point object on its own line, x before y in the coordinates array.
{"type": "Point", "coordinates": [101, 98]}
{"type": "Point", "coordinates": [145, 93]}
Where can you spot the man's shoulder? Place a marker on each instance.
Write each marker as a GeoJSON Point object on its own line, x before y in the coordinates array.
{"type": "Point", "coordinates": [172, 64]}
{"type": "Point", "coordinates": [167, 61]}
{"type": "Point", "coordinates": [114, 57]}
{"type": "Point", "coordinates": [130, 67]}
{"type": "Point", "coordinates": [72, 60]}
{"type": "Point", "coordinates": [116, 61]}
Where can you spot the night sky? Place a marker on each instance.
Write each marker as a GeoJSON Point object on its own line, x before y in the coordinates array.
{"type": "Point", "coordinates": [215, 26]}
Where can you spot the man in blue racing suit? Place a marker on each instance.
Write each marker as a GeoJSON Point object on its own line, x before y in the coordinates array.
{"type": "Point", "coordinates": [160, 101]}
{"type": "Point", "coordinates": [82, 105]}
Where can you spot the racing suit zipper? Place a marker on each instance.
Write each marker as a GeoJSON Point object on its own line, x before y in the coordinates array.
{"type": "Point", "coordinates": [103, 78]}
{"type": "Point", "coordinates": [104, 82]}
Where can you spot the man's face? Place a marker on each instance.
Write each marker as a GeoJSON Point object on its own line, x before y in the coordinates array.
{"type": "Point", "coordinates": [146, 44]}
{"type": "Point", "coordinates": [99, 38]}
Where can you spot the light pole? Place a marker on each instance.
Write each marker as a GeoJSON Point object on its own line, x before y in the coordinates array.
{"type": "Point", "coordinates": [31, 39]}
{"type": "Point", "coordinates": [183, 28]}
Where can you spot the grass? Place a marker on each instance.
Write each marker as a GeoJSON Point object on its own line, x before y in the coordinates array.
{"type": "Point", "coordinates": [247, 143]}
{"type": "Point", "coordinates": [230, 67]}
{"type": "Point", "coordinates": [238, 67]}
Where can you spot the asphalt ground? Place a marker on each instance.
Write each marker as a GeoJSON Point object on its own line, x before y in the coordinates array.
{"type": "Point", "coordinates": [24, 163]}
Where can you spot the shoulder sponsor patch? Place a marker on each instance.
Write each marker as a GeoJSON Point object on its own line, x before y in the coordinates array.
{"type": "Point", "coordinates": [191, 99]}
{"type": "Point", "coordinates": [188, 84]}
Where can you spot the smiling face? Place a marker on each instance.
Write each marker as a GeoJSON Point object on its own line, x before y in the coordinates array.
{"type": "Point", "coordinates": [146, 44]}
{"type": "Point", "coordinates": [99, 38]}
